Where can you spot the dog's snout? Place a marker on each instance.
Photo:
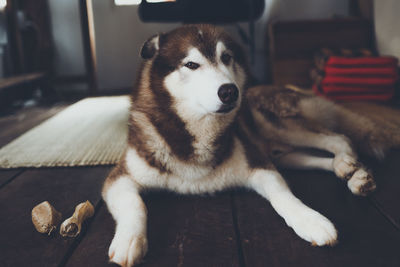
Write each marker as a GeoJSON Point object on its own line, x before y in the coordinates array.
{"type": "Point", "coordinates": [228, 93]}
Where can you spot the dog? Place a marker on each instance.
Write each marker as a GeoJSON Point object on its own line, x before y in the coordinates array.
{"type": "Point", "coordinates": [197, 127]}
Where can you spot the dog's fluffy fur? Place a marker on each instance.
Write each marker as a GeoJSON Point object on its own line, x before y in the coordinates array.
{"type": "Point", "coordinates": [183, 138]}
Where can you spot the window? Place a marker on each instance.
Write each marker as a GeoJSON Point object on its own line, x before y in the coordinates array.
{"type": "Point", "coordinates": [3, 4]}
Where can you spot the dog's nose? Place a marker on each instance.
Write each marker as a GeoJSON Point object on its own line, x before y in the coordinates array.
{"type": "Point", "coordinates": [228, 93]}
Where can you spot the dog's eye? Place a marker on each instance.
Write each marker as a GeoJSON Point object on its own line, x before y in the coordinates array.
{"type": "Point", "coordinates": [191, 65]}
{"type": "Point", "coordinates": [226, 58]}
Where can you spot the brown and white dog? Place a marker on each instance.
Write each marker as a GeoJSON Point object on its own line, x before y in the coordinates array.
{"type": "Point", "coordinates": [195, 128]}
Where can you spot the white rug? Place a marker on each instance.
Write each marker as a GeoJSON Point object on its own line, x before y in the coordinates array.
{"type": "Point", "coordinates": [92, 131]}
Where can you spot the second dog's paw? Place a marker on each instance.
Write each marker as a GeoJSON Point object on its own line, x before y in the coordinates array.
{"type": "Point", "coordinates": [127, 250]}
{"type": "Point", "coordinates": [344, 165]}
{"type": "Point", "coordinates": [361, 183]}
{"type": "Point", "coordinates": [314, 228]}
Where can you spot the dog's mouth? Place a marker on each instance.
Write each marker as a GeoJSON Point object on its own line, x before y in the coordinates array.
{"type": "Point", "coordinates": [226, 108]}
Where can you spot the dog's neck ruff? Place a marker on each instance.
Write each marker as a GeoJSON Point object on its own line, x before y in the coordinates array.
{"type": "Point", "coordinates": [162, 140]}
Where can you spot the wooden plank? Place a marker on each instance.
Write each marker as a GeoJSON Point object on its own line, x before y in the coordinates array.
{"type": "Point", "coordinates": [95, 243]}
{"type": "Point", "coordinates": [14, 125]}
{"type": "Point", "coordinates": [182, 231]}
{"type": "Point", "coordinates": [387, 197]}
{"type": "Point", "coordinates": [366, 238]}
{"type": "Point", "coordinates": [7, 175]}
{"type": "Point", "coordinates": [21, 79]}
{"type": "Point", "coordinates": [20, 244]}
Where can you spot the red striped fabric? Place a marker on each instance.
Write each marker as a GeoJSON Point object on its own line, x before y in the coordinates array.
{"type": "Point", "coordinates": [362, 62]}
{"type": "Point", "coordinates": [354, 81]}
{"type": "Point", "coordinates": [361, 72]}
{"type": "Point", "coordinates": [367, 78]}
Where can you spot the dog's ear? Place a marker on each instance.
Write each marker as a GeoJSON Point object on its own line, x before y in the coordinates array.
{"type": "Point", "coordinates": [150, 47]}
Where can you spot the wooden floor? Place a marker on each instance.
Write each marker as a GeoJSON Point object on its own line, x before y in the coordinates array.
{"type": "Point", "coordinates": [236, 228]}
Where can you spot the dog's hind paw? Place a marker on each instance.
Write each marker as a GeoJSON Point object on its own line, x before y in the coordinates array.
{"type": "Point", "coordinates": [127, 250]}
{"type": "Point", "coordinates": [345, 166]}
{"type": "Point", "coordinates": [361, 183]}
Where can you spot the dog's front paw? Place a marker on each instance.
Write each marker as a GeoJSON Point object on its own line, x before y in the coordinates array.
{"type": "Point", "coordinates": [361, 183]}
{"type": "Point", "coordinates": [314, 228]}
{"type": "Point", "coordinates": [344, 165]}
{"type": "Point", "coordinates": [127, 250]}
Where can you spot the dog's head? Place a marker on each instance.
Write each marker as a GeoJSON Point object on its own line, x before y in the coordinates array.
{"type": "Point", "coordinates": [200, 66]}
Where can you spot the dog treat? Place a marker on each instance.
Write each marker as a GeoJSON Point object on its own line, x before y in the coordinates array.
{"type": "Point", "coordinates": [45, 217]}
{"type": "Point", "coordinates": [71, 227]}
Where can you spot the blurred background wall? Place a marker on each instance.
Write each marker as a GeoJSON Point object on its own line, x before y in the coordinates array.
{"type": "Point", "coordinates": [387, 29]}
{"type": "Point", "coordinates": [120, 34]}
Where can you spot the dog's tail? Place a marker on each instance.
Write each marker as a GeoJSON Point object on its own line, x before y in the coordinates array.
{"type": "Point", "coordinates": [371, 135]}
